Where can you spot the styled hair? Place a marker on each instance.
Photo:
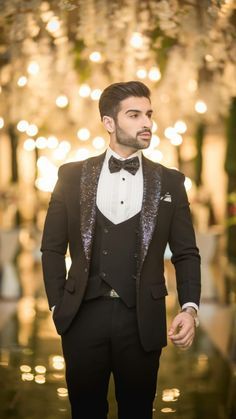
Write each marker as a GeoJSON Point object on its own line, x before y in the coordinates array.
{"type": "Point", "coordinates": [111, 97]}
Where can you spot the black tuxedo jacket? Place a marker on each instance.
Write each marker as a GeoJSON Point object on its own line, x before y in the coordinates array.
{"type": "Point", "coordinates": [165, 218]}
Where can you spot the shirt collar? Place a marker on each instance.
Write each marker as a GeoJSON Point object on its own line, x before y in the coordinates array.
{"type": "Point", "coordinates": [110, 153]}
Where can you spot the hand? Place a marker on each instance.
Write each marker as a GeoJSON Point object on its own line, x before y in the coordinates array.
{"type": "Point", "coordinates": [182, 330]}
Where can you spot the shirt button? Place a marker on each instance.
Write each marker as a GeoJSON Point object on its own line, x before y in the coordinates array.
{"type": "Point", "coordinates": [104, 252]}
{"type": "Point", "coordinates": [123, 178]}
{"type": "Point", "coordinates": [103, 274]}
{"type": "Point", "coordinates": [121, 202]}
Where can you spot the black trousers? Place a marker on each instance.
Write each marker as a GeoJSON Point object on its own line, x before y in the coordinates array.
{"type": "Point", "coordinates": [103, 339]}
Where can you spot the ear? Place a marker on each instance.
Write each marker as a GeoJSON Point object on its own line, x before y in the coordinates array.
{"type": "Point", "coordinates": [108, 123]}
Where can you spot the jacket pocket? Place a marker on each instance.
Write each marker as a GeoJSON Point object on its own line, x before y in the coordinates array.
{"type": "Point", "coordinates": [70, 285]}
{"type": "Point", "coordinates": [158, 290]}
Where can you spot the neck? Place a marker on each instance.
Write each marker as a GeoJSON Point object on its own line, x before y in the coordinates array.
{"type": "Point", "coordinates": [124, 152]}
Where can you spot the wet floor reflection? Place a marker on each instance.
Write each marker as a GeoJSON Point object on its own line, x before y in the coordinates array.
{"type": "Point", "coordinates": [192, 385]}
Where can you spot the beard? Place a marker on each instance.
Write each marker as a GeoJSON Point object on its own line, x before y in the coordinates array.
{"type": "Point", "coordinates": [134, 142]}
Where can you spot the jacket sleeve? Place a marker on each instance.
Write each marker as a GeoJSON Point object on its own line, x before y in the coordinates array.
{"type": "Point", "coordinates": [185, 254]}
{"type": "Point", "coordinates": [55, 243]}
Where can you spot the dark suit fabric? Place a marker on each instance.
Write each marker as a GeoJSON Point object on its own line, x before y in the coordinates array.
{"type": "Point", "coordinates": [71, 221]}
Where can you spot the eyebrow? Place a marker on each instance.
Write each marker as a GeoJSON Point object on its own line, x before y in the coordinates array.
{"type": "Point", "coordinates": [138, 111]}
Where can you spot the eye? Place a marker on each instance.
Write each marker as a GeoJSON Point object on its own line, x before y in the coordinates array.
{"type": "Point", "coordinates": [135, 115]}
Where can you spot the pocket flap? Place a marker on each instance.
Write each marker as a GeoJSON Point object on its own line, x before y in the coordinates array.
{"type": "Point", "coordinates": [70, 285]}
{"type": "Point", "coordinates": [158, 290]}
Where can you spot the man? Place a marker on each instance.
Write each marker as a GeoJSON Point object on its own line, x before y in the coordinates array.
{"type": "Point", "coordinates": [117, 212]}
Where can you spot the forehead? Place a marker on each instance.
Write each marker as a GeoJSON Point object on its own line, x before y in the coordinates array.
{"type": "Point", "coordinates": [142, 104]}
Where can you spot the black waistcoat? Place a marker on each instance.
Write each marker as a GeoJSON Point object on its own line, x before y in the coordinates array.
{"type": "Point", "coordinates": [114, 259]}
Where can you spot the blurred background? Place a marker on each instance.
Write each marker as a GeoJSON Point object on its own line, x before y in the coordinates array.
{"type": "Point", "coordinates": [56, 57]}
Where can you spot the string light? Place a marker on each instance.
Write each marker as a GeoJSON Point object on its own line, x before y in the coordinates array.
{"type": "Point", "coordinates": [155, 141]}
{"type": "Point", "coordinates": [188, 183]}
{"type": "Point", "coordinates": [141, 73]}
{"type": "Point", "coordinates": [22, 81]}
{"type": "Point", "coordinates": [169, 132]}
{"type": "Point", "coordinates": [95, 56]}
{"type": "Point", "coordinates": [180, 127]}
{"type": "Point", "coordinates": [154, 126]}
{"type": "Point", "coordinates": [53, 25]}
{"type": "Point", "coordinates": [95, 94]}
{"type": "Point", "coordinates": [32, 130]}
{"type": "Point", "coordinates": [200, 107]}
{"type": "Point", "coordinates": [41, 143]}
{"type": "Point", "coordinates": [98, 143]}
{"type": "Point", "coordinates": [65, 146]}
{"type": "Point", "coordinates": [62, 101]}
{"type": "Point", "coordinates": [136, 40]}
{"type": "Point", "coordinates": [33, 68]}
{"type": "Point", "coordinates": [1, 123]}
{"type": "Point", "coordinates": [40, 379]}
{"type": "Point", "coordinates": [40, 369]}
{"type": "Point", "coordinates": [62, 392]}
{"type": "Point", "coordinates": [22, 126]}
{"type": "Point", "coordinates": [29, 144]}
{"type": "Point", "coordinates": [154, 74]}
{"type": "Point", "coordinates": [83, 134]}
{"type": "Point", "coordinates": [84, 90]}
{"type": "Point", "coordinates": [52, 142]}
{"type": "Point", "coordinates": [176, 139]}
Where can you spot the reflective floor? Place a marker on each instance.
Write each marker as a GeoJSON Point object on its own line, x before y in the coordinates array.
{"type": "Point", "coordinates": [197, 384]}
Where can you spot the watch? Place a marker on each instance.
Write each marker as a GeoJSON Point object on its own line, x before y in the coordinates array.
{"type": "Point", "coordinates": [192, 313]}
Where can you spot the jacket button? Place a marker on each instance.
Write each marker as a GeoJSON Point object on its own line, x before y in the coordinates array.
{"type": "Point", "coordinates": [85, 269]}
{"type": "Point", "coordinates": [105, 230]}
{"type": "Point", "coordinates": [104, 252]}
{"type": "Point", "coordinates": [103, 274]}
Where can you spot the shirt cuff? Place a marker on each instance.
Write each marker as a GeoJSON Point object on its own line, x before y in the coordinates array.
{"type": "Point", "coordinates": [195, 306]}
{"type": "Point", "coordinates": [52, 308]}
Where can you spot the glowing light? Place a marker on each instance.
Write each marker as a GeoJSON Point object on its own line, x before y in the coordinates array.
{"type": "Point", "coordinates": [209, 58]}
{"type": "Point", "coordinates": [52, 142]}
{"type": "Point", "coordinates": [62, 392]}
{"type": "Point", "coordinates": [170, 395]}
{"type": "Point", "coordinates": [155, 141]}
{"type": "Point", "coordinates": [192, 85]}
{"type": "Point", "coordinates": [154, 126]}
{"type": "Point", "coordinates": [170, 133]}
{"type": "Point", "coordinates": [167, 410]}
{"type": "Point", "coordinates": [33, 68]}
{"type": "Point", "coordinates": [40, 379]}
{"type": "Point", "coordinates": [58, 362]}
{"type": "Point", "coordinates": [25, 368]}
{"type": "Point", "coordinates": [154, 74]}
{"type": "Point", "coordinates": [65, 146]}
{"type": "Point", "coordinates": [62, 101]}
{"type": "Point", "coordinates": [53, 25]}
{"type": "Point", "coordinates": [95, 94]}
{"type": "Point", "coordinates": [40, 369]}
{"type": "Point", "coordinates": [141, 73]}
{"type": "Point", "coordinates": [180, 127]}
{"type": "Point", "coordinates": [22, 125]}
{"type": "Point", "coordinates": [156, 156]}
{"type": "Point", "coordinates": [27, 376]}
{"type": "Point", "coordinates": [200, 107]}
{"type": "Point", "coordinates": [98, 143]}
{"type": "Point", "coordinates": [59, 154]}
{"type": "Point", "coordinates": [48, 175]}
{"type": "Point", "coordinates": [83, 134]}
{"type": "Point", "coordinates": [136, 40]}
{"type": "Point", "coordinates": [188, 184]}
{"type": "Point", "coordinates": [176, 139]}
{"type": "Point", "coordinates": [41, 143]}
{"type": "Point", "coordinates": [84, 90]}
{"type": "Point", "coordinates": [1, 123]}
{"type": "Point", "coordinates": [32, 130]}
{"type": "Point", "coordinates": [29, 144]}
{"type": "Point", "coordinates": [22, 81]}
{"type": "Point", "coordinates": [82, 154]}
{"type": "Point", "coordinates": [95, 56]}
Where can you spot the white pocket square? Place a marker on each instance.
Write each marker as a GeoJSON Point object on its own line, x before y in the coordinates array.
{"type": "Point", "coordinates": [166, 197]}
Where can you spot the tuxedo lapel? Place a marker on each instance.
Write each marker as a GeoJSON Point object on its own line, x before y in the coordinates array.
{"type": "Point", "coordinates": [150, 205]}
{"type": "Point", "coordinates": [88, 190]}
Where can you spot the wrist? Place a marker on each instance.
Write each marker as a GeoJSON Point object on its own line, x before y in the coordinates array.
{"type": "Point", "coordinates": [193, 313]}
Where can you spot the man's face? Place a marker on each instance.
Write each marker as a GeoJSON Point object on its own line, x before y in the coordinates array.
{"type": "Point", "coordinates": [133, 123]}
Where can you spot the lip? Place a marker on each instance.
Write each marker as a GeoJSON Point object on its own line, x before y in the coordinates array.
{"type": "Point", "coordinates": [145, 134]}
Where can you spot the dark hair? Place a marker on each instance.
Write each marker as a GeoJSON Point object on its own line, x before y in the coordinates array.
{"type": "Point", "coordinates": [112, 96]}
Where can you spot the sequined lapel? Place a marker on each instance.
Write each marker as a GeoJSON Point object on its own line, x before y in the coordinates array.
{"type": "Point", "coordinates": [149, 211]}
{"type": "Point", "coordinates": [88, 189]}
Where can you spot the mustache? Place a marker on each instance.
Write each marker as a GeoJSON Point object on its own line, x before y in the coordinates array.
{"type": "Point", "coordinates": [146, 130]}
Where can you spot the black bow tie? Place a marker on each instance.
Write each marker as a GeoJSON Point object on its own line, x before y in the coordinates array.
{"type": "Point", "coordinates": [131, 165]}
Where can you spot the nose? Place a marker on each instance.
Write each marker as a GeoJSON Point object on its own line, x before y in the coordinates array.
{"type": "Point", "coordinates": [147, 122]}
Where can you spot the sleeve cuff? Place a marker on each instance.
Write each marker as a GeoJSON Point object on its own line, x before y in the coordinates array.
{"type": "Point", "coordinates": [195, 306]}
